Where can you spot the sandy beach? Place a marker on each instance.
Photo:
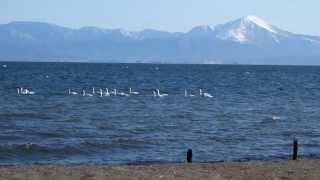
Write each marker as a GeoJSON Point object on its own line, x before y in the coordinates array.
{"type": "Point", "coordinates": [277, 170]}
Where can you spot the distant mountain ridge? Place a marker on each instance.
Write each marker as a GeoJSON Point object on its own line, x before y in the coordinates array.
{"type": "Point", "coordinates": [248, 40]}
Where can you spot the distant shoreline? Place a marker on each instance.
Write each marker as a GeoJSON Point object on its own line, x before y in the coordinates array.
{"type": "Point", "coordinates": [156, 63]}
{"type": "Point", "coordinates": [301, 169]}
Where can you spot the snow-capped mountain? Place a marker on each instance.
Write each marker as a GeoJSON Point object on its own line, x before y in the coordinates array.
{"type": "Point", "coordinates": [247, 30]}
{"type": "Point", "coordinates": [255, 30]}
{"type": "Point", "coordinates": [250, 40]}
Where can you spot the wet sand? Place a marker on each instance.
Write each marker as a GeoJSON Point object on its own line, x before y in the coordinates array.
{"type": "Point", "coordinates": [277, 170]}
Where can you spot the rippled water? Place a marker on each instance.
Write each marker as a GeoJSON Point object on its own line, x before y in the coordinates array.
{"type": "Point", "coordinates": [255, 113]}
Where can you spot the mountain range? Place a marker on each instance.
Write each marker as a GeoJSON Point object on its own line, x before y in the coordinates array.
{"type": "Point", "coordinates": [248, 40]}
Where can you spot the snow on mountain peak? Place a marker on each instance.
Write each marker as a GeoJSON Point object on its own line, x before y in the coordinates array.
{"type": "Point", "coordinates": [246, 30]}
{"type": "Point", "coordinates": [260, 22]}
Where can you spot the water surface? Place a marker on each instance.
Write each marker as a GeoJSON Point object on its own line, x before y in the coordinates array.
{"type": "Point", "coordinates": [255, 113]}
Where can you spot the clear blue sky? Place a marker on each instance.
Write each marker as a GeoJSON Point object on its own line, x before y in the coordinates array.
{"type": "Point", "coordinates": [172, 15]}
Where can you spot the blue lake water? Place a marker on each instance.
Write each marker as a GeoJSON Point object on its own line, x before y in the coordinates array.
{"type": "Point", "coordinates": [255, 113]}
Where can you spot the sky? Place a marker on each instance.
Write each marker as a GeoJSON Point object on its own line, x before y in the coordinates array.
{"type": "Point", "coordinates": [171, 15]}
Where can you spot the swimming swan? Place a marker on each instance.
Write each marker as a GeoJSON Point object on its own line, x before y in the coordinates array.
{"type": "Point", "coordinates": [205, 94]}
{"type": "Point", "coordinates": [114, 92]}
{"type": "Point", "coordinates": [186, 94]}
{"type": "Point", "coordinates": [101, 92]}
{"type": "Point", "coordinates": [160, 95]}
{"type": "Point", "coordinates": [133, 92]}
{"type": "Point", "coordinates": [107, 92]}
{"type": "Point", "coordinates": [93, 91]}
{"type": "Point", "coordinates": [122, 94]}
{"type": "Point", "coordinates": [25, 91]}
{"type": "Point", "coordinates": [72, 92]}
{"type": "Point", "coordinates": [86, 94]}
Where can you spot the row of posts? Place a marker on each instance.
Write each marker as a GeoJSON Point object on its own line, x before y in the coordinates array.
{"type": "Point", "coordinates": [294, 153]}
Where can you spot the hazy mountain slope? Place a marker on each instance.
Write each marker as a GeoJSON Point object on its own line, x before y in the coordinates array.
{"type": "Point", "coordinates": [246, 40]}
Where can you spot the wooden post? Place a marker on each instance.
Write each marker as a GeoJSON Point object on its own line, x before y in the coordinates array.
{"type": "Point", "coordinates": [295, 149]}
{"type": "Point", "coordinates": [189, 156]}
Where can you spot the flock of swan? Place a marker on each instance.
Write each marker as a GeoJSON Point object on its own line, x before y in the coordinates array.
{"type": "Point", "coordinates": [24, 91]}
{"type": "Point", "coordinates": [114, 92]}
{"type": "Point", "coordinates": [102, 93]}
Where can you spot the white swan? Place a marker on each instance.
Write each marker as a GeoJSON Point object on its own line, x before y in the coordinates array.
{"type": "Point", "coordinates": [18, 91]}
{"type": "Point", "coordinates": [133, 92]}
{"type": "Point", "coordinates": [160, 95]}
{"type": "Point", "coordinates": [31, 92]}
{"type": "Point", "coordinates": [22, 91]}
{"type": "Point", "coordinates": [205, 94]}
{"type": "Point", "coordinates": [93, 91]}
{"type": "Point", "coordinates": [26, 91]}
{"type": "Point", "coordinates": [123, 94]}
{"type": "Point", "coordinates": [101, 92]}
{"type": "Point", "coordinates": [86, 94]}
{"type": "Point", "coordinates": [187, 95]}
{"type": "Point", "coordinates": [114, 92]}
{"type": "Point", "coordinates": [72, 92]}
{"type": "Point", "coordinates": [107, 92]}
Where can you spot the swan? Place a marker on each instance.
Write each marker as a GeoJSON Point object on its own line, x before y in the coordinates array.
{"type": "Point", "coordinates": [161, 95]}
{"type": "Point", "coordinates": [93, 91]}
{"type": "Point", "coordinates": [114, 92]}
{"type": "Point", "coordinates": [205, 94]}
{"type": "Point", "coordinates": [18, 91]}
{"type": "Point", "coordinates": [123, 94]}
{"type": "Point", "coordinates": [107, 92]}
{"type": "Point", "coordinates": [72, 92]}
{"type": "Point", "coordinates": [26, 91]}
{"type": "Point", "coordinates": [133, 92]}
{"type": "Point", "coordinates": [86, 94]}
{"type": "Point", "coordinates": [31, 92]}
{"type": "Point", "coordinates": [186, 94]}
{"type": "Point", "coordinates": [154, 93]}
{"type": "Point", "coordinates": [191, 95]}
{"type": "Point", "coordinates": [23, 91]}
{"type": "Point", "coordinates": [101, 92]}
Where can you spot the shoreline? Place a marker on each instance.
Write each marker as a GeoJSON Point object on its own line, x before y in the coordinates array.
{"type": "Point", "coordinates": [282, 169]}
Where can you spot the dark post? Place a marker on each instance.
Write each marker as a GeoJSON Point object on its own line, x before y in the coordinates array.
{"type": "Point", "coordinates": [189, 156]}
{"type": "Point", "coordinates": [295, 149]}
